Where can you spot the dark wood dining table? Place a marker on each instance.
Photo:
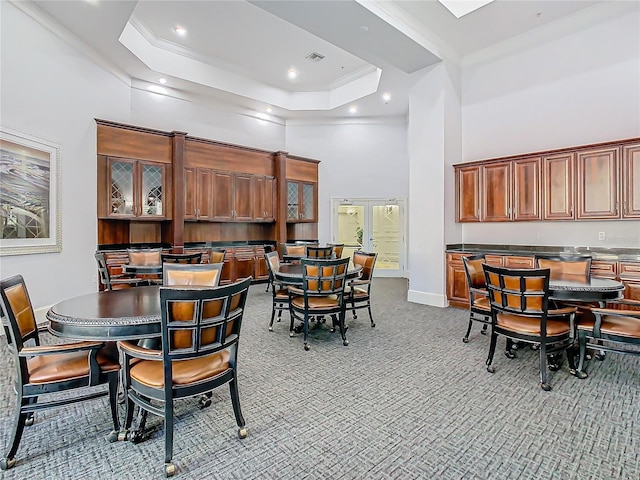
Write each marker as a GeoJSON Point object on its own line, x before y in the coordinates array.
{"type": "Point", "coordinates": [578, 288]}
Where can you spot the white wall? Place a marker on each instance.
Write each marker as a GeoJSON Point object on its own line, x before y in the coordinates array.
{"type": "Point", "coordinates": [569, 90]}
{"type": "Point", "coordinates": [50, 90]}
{"type": "Point", "coordinates": [360, 158]}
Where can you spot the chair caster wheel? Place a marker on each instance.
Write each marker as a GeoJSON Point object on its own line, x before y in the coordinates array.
{"type": "Point", "coordinates": [373, 325]}
{"type": "Point", "coordinates": [306, 346]}
{"type": "Point", "coordinates": [271, 329]}
{"type": "Point", "coordinates": [169, 469]}
{"type": "Point", "coordinates": [242, 432]}
{"type": "Point", "coordinates": [113, 436]}
{"type": "Point", "coordinates": [29, 421]}
{"type": "Point", "coordinates": [123, 435]}
{"type": "Point", "coordinates": [204, 402]}
{"type": "Point", "coordinates": [491, 369]}
{"type": "Point", "coordinates": [510, 354]}
{"type": "Point", "coordinates": [291, 334]}
{"type": "Point", "coordinates": [546, 387]}
{"type": "Point", "coordinates": [332, 330]}
{"type": "Point", "coordinates": [483, 331]}
{"type": "Point", "coordinates": [7, 463]}
{"type": "Point", "coordinates": [465, 340]}
{"type": "Point", "coordinates": [600, 356]}
{"type": "Point", "coordinates": [345, 343]}
{"type": "Point", "coordinates": [579, 374]}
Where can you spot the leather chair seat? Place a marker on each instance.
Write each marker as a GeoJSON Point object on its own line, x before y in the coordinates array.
{"type": "Point", "coordinates": [282, 294]}
{"type": "Point", "coordinates": [482, 303]}
{"type": "Point", "coordinates": [66, 366]}
{"type": "Point", "coordinates": [320, 303]}
{"type": "Point", "coordinates": [613, 325]}
{"type": "Point", "coordinates": [151, 373]}
{"type": "Point", "coordinates": [531, 325]}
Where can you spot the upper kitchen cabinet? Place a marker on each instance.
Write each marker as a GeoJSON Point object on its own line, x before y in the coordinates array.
{"type": "Point", "coordinates": [631, 181]}
{"type": "Point", "coordinates": [264, 200]}
{"type": "Point", "coordinates": [135, 189]}
{"type": "Point", "coordinates": [468, 194]}
{"type": "Point", "coordinates": [526, 189]}
{"type": "Point", "coordinates": [302, 190]}
{"type": "Point", "coordinates": [198, 193]}
{"type": "Point", "coordinates": [496, 192]}
{"type": "Point", "coordinates": [557, 178]}
{"type": "Point", "coordinates": [597, 185]}
{"type": "Point", "coordinates": [232, 197]}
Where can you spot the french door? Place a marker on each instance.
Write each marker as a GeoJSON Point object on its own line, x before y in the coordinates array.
{"type": "Point", "coordinates": [372, 225]}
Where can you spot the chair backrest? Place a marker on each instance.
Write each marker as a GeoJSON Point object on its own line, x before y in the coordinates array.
{"type": "Point", "coordinates": [518, 291]}
{"type": "Point", "coordinates": [103, 270]}
{"type": "Point", "coordinates": [201, 321]}
{"type": "Point", "coordinates": [473, 271]}
{"type": "Point", "coordinates": [17, 309]}
{"type": "Point", "coordinates": [217, 255]}
{"type": "Point", "coordinates": [367, 260]}
{"type": "Point", "coordinates": [563, 266]}
{"type": "Point", "coordinates": [148, 256]}
{"type": "Point", "coordinates": [200, 274]}
{"type": "Point", "coordinates": [324, 277]}
{"type": "Point", "coordinates": [273, 262]}
{"type": "Point", "coordinates": [319, 252]}
{"type": "Point", "coordinates": [337, 249]}
{"type": "Point", "coordinates": [195, 257]}
{"type": "Point", "coordinates": [295, 249]}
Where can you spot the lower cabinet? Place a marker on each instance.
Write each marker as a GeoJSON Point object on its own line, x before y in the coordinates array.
{"type": "Point", "coordinates": [629, 275]}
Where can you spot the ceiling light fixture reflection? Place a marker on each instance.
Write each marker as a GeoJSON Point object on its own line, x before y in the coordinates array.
{"type": "Point", "coordinates": [269, 109]}
{"type": "Point", "coordinates": [386, 96]}
{"type": "Point", "coordinates": [162, 80]}
{"type": "Point", "coordinates": [263, 116]}
{"type": "Point", "coordinates": [292, 74]}
{"type": "Point", "coordinates": [180, 31]}
{"type": "Point", "coordinates": [353, 109]}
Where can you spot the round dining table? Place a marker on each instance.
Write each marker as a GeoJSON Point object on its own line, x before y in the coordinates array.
{"type": "Point", "coordinates": [127, 314]}
{"type": "Point", "coordinates": [578, 288]}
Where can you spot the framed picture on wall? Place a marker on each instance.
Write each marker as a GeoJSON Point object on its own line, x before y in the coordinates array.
{"type": "Point", "coordinates": [29, 194]}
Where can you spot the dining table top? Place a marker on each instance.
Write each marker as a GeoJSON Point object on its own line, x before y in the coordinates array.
{"type": "Point", "coordinates": [127, 314]}
{"type": "Point", "coordinates": [585, 289]}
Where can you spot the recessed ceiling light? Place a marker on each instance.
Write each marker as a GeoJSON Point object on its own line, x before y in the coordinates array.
{"type": "Point", "coordinates": [269, 109]}
{"type": "Point", "coordinates": [162, 80]}
{"type": "Point", "coordinates": [157, 89]}
{"type": "Point", "coordinates": [386, 96]}
{"type": "Point", "coordinates": [353, 109]}
{"type": "Point", "coordinates": [292, 74]}
{"type": "Point", "coordinates": [181, 31]}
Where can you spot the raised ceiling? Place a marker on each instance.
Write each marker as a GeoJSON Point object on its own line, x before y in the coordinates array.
{"type": "Point", "coordinates": [240, 51]}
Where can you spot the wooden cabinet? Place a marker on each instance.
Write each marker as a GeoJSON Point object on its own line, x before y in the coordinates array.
{"type": "Point", "coordinates": [198, 193]}
{"type": "Point", "coordinates": [495, 192]}
{"type": "Point", "coordinates": [232, 197]}
{"type": "Point", "coordinates": [261, 269]}
{"type": "Point", "coordinates": [629, 274]}
{"type": "Point", "coordinates": [597, 192]}
{"type": "Point", "coordinates": [135, 189]}
{"type": "Point", "coordinates": [526, 189]}
{"type": "Point", "coordinates": [457, 290]}
{"type": "Point", "coordinates": [468, 194]}
{"type": "Point", "coordinates": [631, 181]}
{"type": "Point", "coordinates": [301, 201]}
{"type": "Point", "coordinates": [557, 191]}
{"type": "Point", "coordinates": [603, 269]}
{"type": "Point", "coordinates": [513, 261]}
{"type": "Point", "coordinates": [264, 200]}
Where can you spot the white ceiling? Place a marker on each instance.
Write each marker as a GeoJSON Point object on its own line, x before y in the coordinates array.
{"type": "Point", "coordinates": [240, 51]}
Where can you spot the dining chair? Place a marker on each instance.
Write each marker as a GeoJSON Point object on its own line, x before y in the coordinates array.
{"type": "Point", "coordinates": [201, 274]}
{"type": "Point", "coordinates": [479, 307]}
{"type": "Point", "coordinates": [195, 257]}
{"type": "Point", "coordinates": [520, 311]}
{"type": "Point", "coordinates": [147, 256]}
{"type": "Point", "coordinates": [321, 294]}
{"type": "Point", "coordinates": [42, 370]}
{"type": "Point", "coordinates": [319, 252]}
{"type": "Point", "coordinates": [295, 249]}
{"type": "Point", "coordinates": [115, 282]}
{"type": "Point", "coordinates": [280, 291]}
{"type": "Point", "coordinates": [358, 291]}
{"type": "Point", "coordinates": [200, 335]}
{"type": "Point", "coordinates": [565, 266]}
{"type": "Point", "coordinates": [337, 249]}
{"type": "Point", "coordinates": [217, 255]}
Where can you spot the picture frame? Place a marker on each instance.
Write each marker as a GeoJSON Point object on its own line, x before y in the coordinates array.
{"type": "Point", "coordinates": [30, 220]}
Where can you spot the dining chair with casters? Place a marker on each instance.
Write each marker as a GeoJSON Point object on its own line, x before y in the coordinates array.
{"type": "Point", "coordinates": [358, 291]}
{"type": "Point", "coordinates": [319, 252]}
{"type": "Point", "coordinates": [195, 257]}
{"type": "Point", "coordinates": [43, 371]}
{"type": "Point", "coordinates": [321, 294]}
{"type": "Point", "coordinates": [199, 274]}
{"type": "Point", "coordinates": [115, 282]}
{"type": "Point", "coordinates": [280, 291]}
{"type": "Point", "coordinates": [565, 266]}
{"type": "Point", "coordinates": [146, 257]}
{"type": "Point", "coordinates": [609, 330]}
{"type": "Point", "coordinates": [479, 307]}
{"type": "Point", "coordinates": [337, 249]}
{"type": "Point", "coordinates": [217, 255]}
{"type": "Point", "coordinates": [200, 335]}
{"type": "Point", "coordinates": [520, 311]}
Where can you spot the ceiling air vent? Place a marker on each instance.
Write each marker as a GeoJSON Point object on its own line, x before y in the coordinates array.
{"type": "Point", "coordinates": [315, 57]}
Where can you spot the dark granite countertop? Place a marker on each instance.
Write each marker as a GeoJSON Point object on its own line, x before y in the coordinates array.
{"type": "Point", "coordinates": [597, 253]}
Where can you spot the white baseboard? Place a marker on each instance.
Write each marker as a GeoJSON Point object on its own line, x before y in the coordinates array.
{"type": "Point", "coordinates": [427, 298]}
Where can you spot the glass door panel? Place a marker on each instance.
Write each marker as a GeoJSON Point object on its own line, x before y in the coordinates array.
{"type": "Point", "coordinates": [292, 200]}
{"type": "Point", "coordinates": [386, 235]}
{"type": "Point", "coordinates": [308, 201]}
{"type": "Point", "coordinates": [121, 188]}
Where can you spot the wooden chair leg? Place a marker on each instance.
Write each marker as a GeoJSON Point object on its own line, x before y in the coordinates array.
{"type": "Point", "coordinates": [465, 339]}
{"type": "Point", "coordinates": [492, 351]}
{"type": "Point", "coordinates": [18, 427]}
{"type": "Point", "coordinates": [235, 402]}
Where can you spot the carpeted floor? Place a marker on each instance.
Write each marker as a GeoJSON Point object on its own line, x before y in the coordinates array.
{"type": "Point", "coordinates": [404, 400]}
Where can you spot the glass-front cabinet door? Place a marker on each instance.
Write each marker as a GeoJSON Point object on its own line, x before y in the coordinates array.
{"type": "Point", "coordinates": [308, 201]}
{"type": "Point", "coordinates": [301, 202]}
{"type": "Point", "coordinates": [293, 201]}
{"type": "Point", "coordinates": [135, 188]}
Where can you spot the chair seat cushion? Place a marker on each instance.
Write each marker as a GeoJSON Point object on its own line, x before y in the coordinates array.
{"type": "Point", "coordinates": [282, 294]}
{"type": "Point", "coordinates": [359, 293]}
{"type": "Point", "coordinates": [613, 325]}
{"type": "Point", "coordinates": [151, 372]}
{"type": "Point", "coordinates": [66, 366]}
{"type": "Point", "coordinates": [531, 325]}
{"type": "Point", "coordinates": [319, 303]}
{"type": "Point", "coordinates": [482, 303]}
